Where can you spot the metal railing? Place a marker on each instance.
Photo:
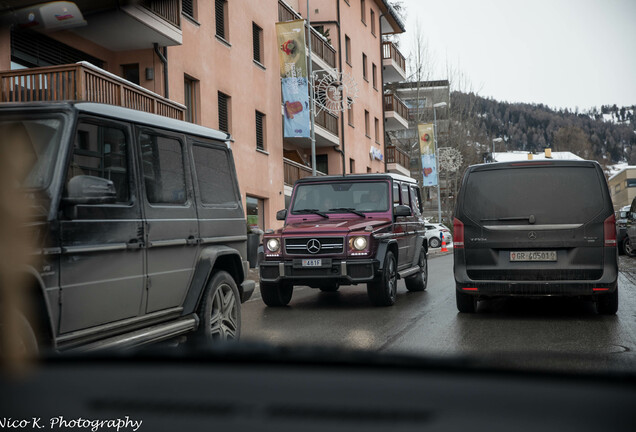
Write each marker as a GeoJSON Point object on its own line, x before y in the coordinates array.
{"type": "Point", "coordinates": [327, 121]}
{"type": "Point", "coordinates": [294, 171]}
{"type": "Point", "coordinates": [83, 82]}
{"type": "Point", "coordinates": [169, 10]}
{"type": "Point", "coordinates": [393, 103]}
{"type": "Point", "coordinates": [397, 155]}
{"type": "Point", "coordinates": [390, 51]}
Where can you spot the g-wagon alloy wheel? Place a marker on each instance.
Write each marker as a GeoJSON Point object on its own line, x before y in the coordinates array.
{"type": "Point", "coordinates": [418, 281]}
{"type": "Point", "coordinates": [383, 290]}
{"type": "Point", "coordinates": [220, 312]}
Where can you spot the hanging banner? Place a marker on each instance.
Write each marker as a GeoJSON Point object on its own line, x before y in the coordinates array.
{"type": "Point", "coordinates": [427, 152]}
{"type": "Point", "coordinates": [293, 73]}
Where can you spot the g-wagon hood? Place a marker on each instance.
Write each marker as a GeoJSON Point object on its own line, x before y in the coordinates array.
{"type": "Point", "coordinates": [340, 226]}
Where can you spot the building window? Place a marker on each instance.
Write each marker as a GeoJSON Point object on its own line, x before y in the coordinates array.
{"type": "Point", "coordinates": [363, 11]}
{"type": "Point", "coordinates": [190, 89]}
{"type": "Point", "coordinates": [188, 8]}
{"type": "Point", "coordinates": [260, 131]}
{"type": "Point", "coordinates": [374, 72]}
{"type": "Point", "coordinates": [352, 166]}
{"type": "Point", "coordinates": [254, 212]}
{"type": "Point", "coordinates": [322, 164]}
{"type": "Point", "coordinates": [372, 22]}
{"type": "Point", "coordinates": [224, 112]}
{"type": "Point", "coordinates": [348, 50]}
{"type": "Point", "coordinates": [350, 113]}
{"type": "Point", "coordinates": [220, 11]}
{"type": "Point", "coordinates": [617, 188]}
{"type": "Point", "coordinates": [377, 130]}
{"type": "Point", "coordinates": [130, 72]}
{"type": "Point", "coordinates": [257, 37]}
{"type": "Point", "coordinates": [366, 123]}
{"type": "Point", "coordinates": [364, 67]}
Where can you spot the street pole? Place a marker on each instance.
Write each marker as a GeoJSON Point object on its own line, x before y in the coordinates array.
{"type": "Point", "coordinates": [439, 196]}
{"type": "Point", "coordinates": [311, 98]}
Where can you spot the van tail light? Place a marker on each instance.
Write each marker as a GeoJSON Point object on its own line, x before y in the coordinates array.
{"type": "Point", "coordinates": [609, 228]}
{"type": "Point", "coordinates": [458, 234]}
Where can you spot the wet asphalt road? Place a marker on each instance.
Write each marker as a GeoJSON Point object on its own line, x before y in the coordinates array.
{"type": "Point", "coordinates": [547, 333]}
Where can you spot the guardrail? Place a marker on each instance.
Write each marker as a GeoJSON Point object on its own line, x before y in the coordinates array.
{"type": "Point", "coordinates": [294, 171]}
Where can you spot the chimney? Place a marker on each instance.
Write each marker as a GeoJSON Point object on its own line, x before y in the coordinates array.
{"type": "Point", "coordinates": [529, 156]}
{"type": "Point", "coordinates": [548, 153]}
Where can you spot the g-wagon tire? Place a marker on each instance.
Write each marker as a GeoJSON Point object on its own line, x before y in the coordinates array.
{"type": "Point", "coordinates": [466, 303]}
{"type": "Point", "coordinates": [220, 310]}
{"type": "Point", "coordinates": [434, 242]}
{"type": "Point", "coordinates": [382, 291]}
{"type": "Point", "coordinates": [276, 294]}
{"type": "Point", "coordinates": [627, 248]}
{"type": "Point", "coordinates": [329, 287]}
{"type": "Point", "coordinates": [418, 281]}
{"type": "Point", "coordinates": [607, 304]}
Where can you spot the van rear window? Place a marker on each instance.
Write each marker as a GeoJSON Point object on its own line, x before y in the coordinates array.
{"type": "Point", "coordinates": [552, 194]}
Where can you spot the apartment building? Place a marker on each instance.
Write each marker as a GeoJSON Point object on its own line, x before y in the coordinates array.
{"type": "Point", "coordinates": [215, 63]}
{"type": "Point", "coordinates": [622, 186]}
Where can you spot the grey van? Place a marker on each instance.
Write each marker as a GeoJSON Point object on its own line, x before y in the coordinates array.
{"type": "Point", "coordinates": [141, 228]}
{"type": "Point", "coordinates": [542, 228]}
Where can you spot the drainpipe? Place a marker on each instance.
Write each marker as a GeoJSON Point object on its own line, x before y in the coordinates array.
{"type": "Point", "coordinates": [164, 59]}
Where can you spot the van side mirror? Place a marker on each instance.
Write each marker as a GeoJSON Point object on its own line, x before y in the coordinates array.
{"type": "Point", "coordinates": [281, 215]}
{"type": "Point", "coordinates": [401, 210]}
{"type": "Point", "coordinates": [85, 189]}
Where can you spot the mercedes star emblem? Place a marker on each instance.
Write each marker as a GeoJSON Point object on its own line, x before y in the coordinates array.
{"type": "Point", "coordinates": [532, 235]}
{"type": "Point", "coordinates": [313, 246]}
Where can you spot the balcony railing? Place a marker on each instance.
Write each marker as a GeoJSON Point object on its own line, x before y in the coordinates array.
{"type": "Point", "coordinates": [319, 46]}
{"type": "Point", "coordinates": [166, 9]}
{"type": "Point", "coordinates": [390, 51]}
{"type": "Point", "coordinates": [393, 103]}
{"type": "Point", "coordinates": [295, 171]}
{"type": "Point", "coordinates": [327, 121]}
{"type": "Point", "coordinates": [82, 82]}
{"type": "Point", "coordinates": [397, 155]}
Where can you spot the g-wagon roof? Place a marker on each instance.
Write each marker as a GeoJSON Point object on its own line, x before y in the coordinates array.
{"type": "Point", "coordinates": [123, 114]}
{"type": "Point", "coordinates": [531, 163]}
{"type": "Point", "coordinates": [357, 177]}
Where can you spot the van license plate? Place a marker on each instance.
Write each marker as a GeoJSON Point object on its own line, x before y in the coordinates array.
{"type": "Point", "coordinates": [533, 256]}
{"type": "Point", "coordinates": [312, 263]}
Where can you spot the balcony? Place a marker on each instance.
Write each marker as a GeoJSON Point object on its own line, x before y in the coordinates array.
{"type": "Point", "coordinates": [393, 63]}
{"type": "Point", "coordinates": [83, 82]}
{"type": "Point", "coordinates": [136, 26]}
{"type": "Point", "coordinates": [323, 54]}
{"type": "Point", "coordinates": [397, 161]}
{"type": "Point", "coordinates": [294, 171]}
{"type": "Point", "coordinates": [395, 113]}
{"type": "Point", "coordinates": [326, 128]}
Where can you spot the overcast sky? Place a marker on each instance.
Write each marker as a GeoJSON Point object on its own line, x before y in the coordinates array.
{"type": "Point", "coordinates": [562, 53]}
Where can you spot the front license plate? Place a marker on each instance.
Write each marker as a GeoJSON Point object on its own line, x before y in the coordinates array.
{"type": "Point", "coordinates": [533, 256]}
{"type": "Point", "coordinates": [312, 263]}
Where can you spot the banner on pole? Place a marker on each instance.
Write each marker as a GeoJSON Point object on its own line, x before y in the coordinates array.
{"type": "Point", "coordinates": [427, 153]}
{"type": "Point", "coordinates": [294, 83]}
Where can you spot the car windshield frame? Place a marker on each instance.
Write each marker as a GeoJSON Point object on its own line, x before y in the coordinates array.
{"type": "Point", "coordinates": [335, 196]}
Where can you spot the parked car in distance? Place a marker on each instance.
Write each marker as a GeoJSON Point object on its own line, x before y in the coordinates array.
{"type": "Point", "coordinates": [623, 220]}
{"type": "Point", "coordinates": [141, 227]}
{"type": "Point", "coordinates": [436, 234]}
{"type": "Point", "coordinates": [533, 229]}
{"type": "Point", "coordinates": [346, 230]}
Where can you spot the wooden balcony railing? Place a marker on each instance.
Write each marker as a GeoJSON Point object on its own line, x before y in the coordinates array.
{"type": "Point", "coordinates": [393, 103]}
{"type": "Point", "coordinates": [390, 51]}
{"type": "Point", "coordinates": [327, 121]}
{"type": "Point", "coordinates": [397, 155]}
{"type": "Point", "coordinates": [83, 82]}
{"type": "Point", "coordinates": [319, 46]}
{"type": "Point", "coordinates": [169, 10]}
{"type": "Point", "coordinates": [294, 171]}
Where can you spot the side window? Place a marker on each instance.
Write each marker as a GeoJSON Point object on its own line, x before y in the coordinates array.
{"type": "Point", "coordinates": [405, 195]}
{"type": "Point", "coordinates": [415, 199]}
{"type": "Point", "coordinates": [396, 194]}
{"type": "Point", "coordinates": [102, 151]}
{"type": "Point", "coordinates": [162, 166]}
{"type": "Point", "coordinates": [214, 176]}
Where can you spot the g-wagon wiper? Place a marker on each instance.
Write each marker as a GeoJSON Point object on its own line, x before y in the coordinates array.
{"type": "Point", "coordinates": [350, 210]}
{"type": "Point", "coordinates": [531, 219]}
{"type": "Point", "coordinates": [312, 211]}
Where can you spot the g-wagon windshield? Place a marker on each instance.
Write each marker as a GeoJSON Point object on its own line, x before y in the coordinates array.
{"type": "Point", "coordinates": [342, 197]}
{"type": "Point", "coordinates": [36, 142]}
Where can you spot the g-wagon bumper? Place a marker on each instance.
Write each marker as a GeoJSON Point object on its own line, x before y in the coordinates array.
{"type": "Point", "coordinates": [335, 270]}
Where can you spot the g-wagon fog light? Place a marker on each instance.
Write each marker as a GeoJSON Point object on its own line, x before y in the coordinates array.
{"type": "Point", "coordinates": [273, 245]}
{"type": "Point", "coordinates": [359, 243]}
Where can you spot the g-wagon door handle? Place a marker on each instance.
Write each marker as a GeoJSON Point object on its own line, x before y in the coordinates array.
{"type": "Point", "coordinates": [134, 244]}
{"type": "Point", "coordinates": [192, 241]}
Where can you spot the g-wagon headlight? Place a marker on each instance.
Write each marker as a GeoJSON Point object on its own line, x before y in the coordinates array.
{"type": "Point", "coordinates": [273, 245]}
{"type": "Point", "coordinates": [359, 243]}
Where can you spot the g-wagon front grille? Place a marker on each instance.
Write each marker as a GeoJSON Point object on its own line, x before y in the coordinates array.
{"type": "Point", "coordinates": [314, 246]}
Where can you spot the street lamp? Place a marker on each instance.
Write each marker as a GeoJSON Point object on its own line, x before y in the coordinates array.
{"type": "Point", "coordinates": [439, 196]}
{"type": "Point", "coordinates": [495, 140]}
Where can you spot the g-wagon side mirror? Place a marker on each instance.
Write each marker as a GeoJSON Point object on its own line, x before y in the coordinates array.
{"type": "Point", "coordinates": [281, 215]}
{"type": "Point", "coordinates": [401, 210]}
{"type": "Point", "coordinates": [85, 189]}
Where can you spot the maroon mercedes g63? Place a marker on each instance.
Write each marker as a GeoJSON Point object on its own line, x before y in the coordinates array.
{"type": "Point", "coordinates": [346, 230]}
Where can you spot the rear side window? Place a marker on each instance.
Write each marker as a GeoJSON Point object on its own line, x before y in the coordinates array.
{"type": "Point", "coordinates": [214, 176]}
{"type": "Point", "coordinates": [551, 194]}
{"type": "Point", "coordinates": [164, 176]}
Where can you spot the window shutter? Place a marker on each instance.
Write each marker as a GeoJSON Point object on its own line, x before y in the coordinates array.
{"type": "Point", "coordinates": [223, 114]}
{"type": "Point", "coordinates": [187, 8]}
{"type": "Point", "coordinates": [256, 36]}
{"type": "Point", "coordinates": [219, 8]}
{"type": "Point", "coordinates": [259, 131]}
